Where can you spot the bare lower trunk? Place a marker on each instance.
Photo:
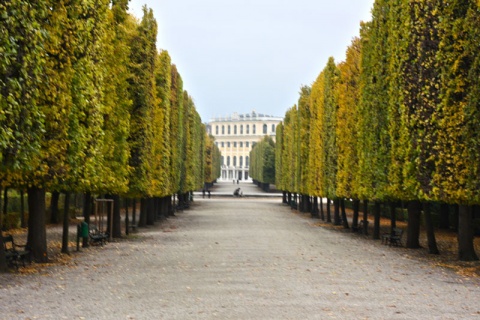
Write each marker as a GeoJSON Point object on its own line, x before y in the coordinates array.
{"type": "Point", "coordinates": [54, 212]}
{"type": "Point", "coordinates": [344, 214]}
{"type": "Point", "coordinates": [336, 212]}
{"type": "Point", "coordinates": [413, 227]}
{"type": "Point", "coordinates": [117, 223]}
{"type": "Point", "coordinates": [365, 217]}
{"type": "Point", "coordinates": [87, 211]}
{"type": "Point", "coordinates": [66, 223]}
{"type": "Point", "coordinates": [466, 249]}
{"type": "Point", "coordinates": [376, 219]}
{"type": "Point", "coordinates": [432, 242]}
{"type": "Point", "coordinates": [37, 234]}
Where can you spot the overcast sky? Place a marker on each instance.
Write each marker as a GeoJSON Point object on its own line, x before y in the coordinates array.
{"type": "Point", "coordinates": [244, 55]}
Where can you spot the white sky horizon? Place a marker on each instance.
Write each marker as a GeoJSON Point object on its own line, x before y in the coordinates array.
{"type": "Point", "coordinates": [244, 55]}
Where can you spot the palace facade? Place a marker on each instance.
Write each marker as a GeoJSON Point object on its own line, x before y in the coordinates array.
{"type": "Point", "coordinates": [235, 136]}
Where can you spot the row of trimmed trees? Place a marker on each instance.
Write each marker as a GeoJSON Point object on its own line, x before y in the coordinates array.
{"type": "Point", "coordinates": [397, 121]}
{"type": "Point", "coordinates": [262, 163]}
{"type": "Point", "coordinates": [89, 105]}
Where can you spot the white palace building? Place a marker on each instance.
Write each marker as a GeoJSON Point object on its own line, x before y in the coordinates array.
{"type": "Point", "coordinates": [235, 136]}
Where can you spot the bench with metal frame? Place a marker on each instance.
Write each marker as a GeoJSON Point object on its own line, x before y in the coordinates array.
{"type": "Point", "coordinates": [394, 238]}
{"type": "Point", "coordinates": [15, 253]}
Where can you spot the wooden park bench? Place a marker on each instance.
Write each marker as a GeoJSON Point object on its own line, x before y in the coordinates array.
{"type": "Point", "coordinates": [15, 253]}
{"type": "Point", "coordinates": [96, 236]}
{"type": "Point", "coordinates": [394, 238]}
{"type": "Point", "coordinates": [360, 226]}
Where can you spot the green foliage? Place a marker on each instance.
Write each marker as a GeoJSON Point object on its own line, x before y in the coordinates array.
{"type": "Point", "coordinates": [323, 146]}
{"type": "Point", "coordinates": [348, 96]}
{"type": "Point", "coordinates": [373, 139]}
{"type": "Point", "coordinates": [142, 93]}
{"type": "Point", "coordinates": [304, 114]}
{"type": "Point", "coordinates": [160, 156]}
{"type": "Point", "coordinates": [212, 160]}
{"type": "Point", "coordinates": [176, 130]}
{"type": "Point", "coordinates": [290, 151]}
{"type": "Point", "coordinates": [22, 65]}
{"type": "Point", "coordinates": [262, 161]}
{"type": "Point", "coordinates": [117, 102]}
{"type": "Point", "coordinates": [457, 174]}
{"type": "Point", "coordinates": [279, 150]}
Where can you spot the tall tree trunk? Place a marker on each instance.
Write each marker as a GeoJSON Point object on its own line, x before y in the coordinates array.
{"type": "Point", "coordinates": [303, 203]}
{"type": "Point", "coordinates": [444, 221]}
{"type": "Point", "coordinates": [322, 211]}
{"type": "Point", "coordinates": [117, 220]}
{"type": "Point", "coordinates": [134, 212]}
{"type": "Point", "coordinates": [336, 212]}
{"type": "Point", "coordinates": [142, 220]}
{"type": "Point", "coordinates": [315, 207]}
{"type": "Point", "coordinates": [151, 211]}
{"type": "Point", "coordinates": [456, 217]}
{"type": "Point", "coordinates": [23, 221]}
{"type": "Point", "coordinates": [356, 207]}
{"type": "Point", "coordinates": [376, 219]}
{"type": "Point", "coordinates": [329, 216]}
{"type": "Point", "coordinates": [413, 227]}
{"type": "Point", "coordinates": [432, 242]}
{"type": "Point", "coordinates": [3, 259]}
{"type": "Point", "coordinates": [66, 223]}
{"type": "Point", "coordinates": [393, 216]}
{"type": "Point", "coordinates": [466, 249]}
{"type": "Point", "coordinates": [365, 217]}
{"type": "Point", "coordinates": [344, 214]}
{"type": "Point", "coordinates": [170, 205]}
{"type": "Point", "coordinates": [5, 207]}
{"type": "Point", "coordinates": [1, 209]}
{"type": "Point", "coordinates": [127, 221]}
{"type": "Point", "coordinates": [87, 211]}
{"type": "Point", "coordinates": [54, 212]}
{"type": "Point", "coordinates": [37, 234]}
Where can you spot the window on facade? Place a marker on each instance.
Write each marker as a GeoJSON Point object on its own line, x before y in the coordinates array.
{"type": "Point", "coordinates": [241, 144]}
{"type": "Point", "coordinates": [241, 129]}
{"type": "Point", "coordinates": [216, 130]}
{"type": "Point", "coordinates": [222, 160]}
{"type": "Point", "coordinates": [235, 144]}
{"type": "Point", "coordinates": [228, 129]}
{"type": "Point", "coordinates": [228, 144]}
{"type": "Point", "coordinates": [234, 161]}
{"type": "Point", "coordinates": [223, 129]}
{"type": "Point", "coordinates": [248, 129]}
{"type": "Point", "coordinates": [247, 161]}
{"type": "Point", "coordinates": [254, 129]}
{"type": "Point", "coordinates": [265, 129]}
{"type": "Point", "coordinates": [235, 129]}
{"type": "Point", "coordinates": [247, 144]}
{"type": "Point", "coordinates": [216, 143]}
{"type": "Point", "coordinates": [253, 144]}
{"type": "Point", "coordinates": [223, 144]}
{"type": "Point", "coordinates": [241, 161]}
{"type": "Point", "coordinates": [228, 161]}
{"type": "Point", "coordinates": [273, 128]}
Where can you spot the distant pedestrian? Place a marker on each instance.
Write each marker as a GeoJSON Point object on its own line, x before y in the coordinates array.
{"type": "Point", "coordinates": [208, 193]}
{"type": "Point", "coordinates": [203, 192]}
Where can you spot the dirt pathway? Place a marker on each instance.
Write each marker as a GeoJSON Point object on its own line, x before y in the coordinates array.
{"type": "Point", "coordinates": [239, 259]}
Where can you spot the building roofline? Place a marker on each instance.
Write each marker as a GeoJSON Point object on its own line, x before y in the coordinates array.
{"type": "Point", "coordinates": [252, 116]}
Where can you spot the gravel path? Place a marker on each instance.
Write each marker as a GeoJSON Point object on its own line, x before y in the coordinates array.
{"type": "Point", "coordinates": [237, 258]}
